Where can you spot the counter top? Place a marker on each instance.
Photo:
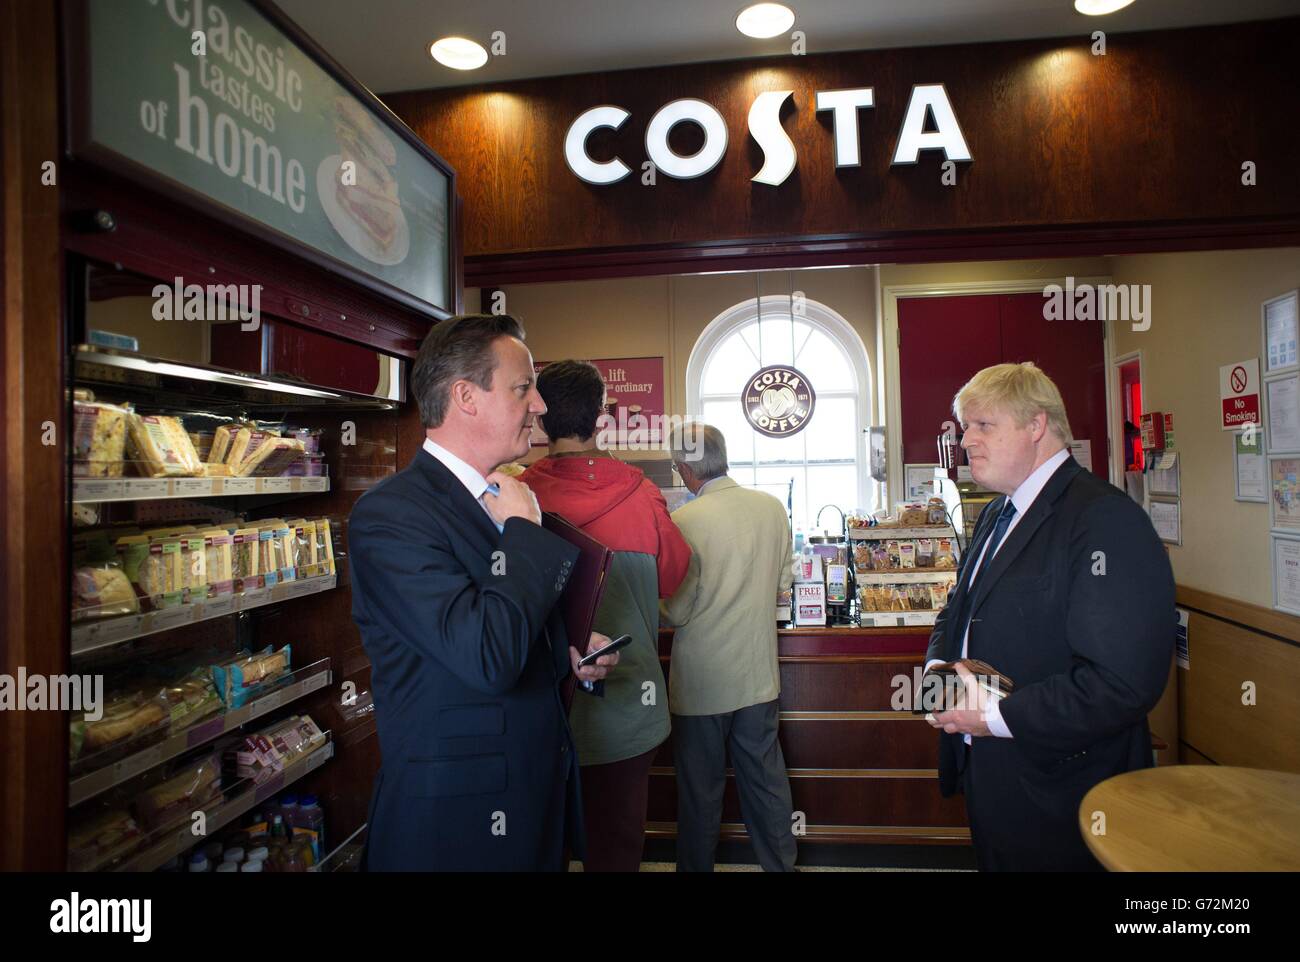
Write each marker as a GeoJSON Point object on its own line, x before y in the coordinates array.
{"type": "Point", "coordinates": [825, 641]}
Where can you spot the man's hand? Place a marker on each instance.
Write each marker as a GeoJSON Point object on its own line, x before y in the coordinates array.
{"type": "Point", "coordinates": [603, 664]}
{"type": "Point", "coordinates": [968, 717]}
{"type": "Point", "coordinates": [516, 500]}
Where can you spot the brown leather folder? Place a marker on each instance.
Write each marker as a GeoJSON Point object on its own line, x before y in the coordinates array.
{"type": "Point", "coordinates": [990, 679]}
{"type": "Point", "coordinates": [581, 596]}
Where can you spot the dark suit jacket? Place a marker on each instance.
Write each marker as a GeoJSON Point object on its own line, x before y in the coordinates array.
{"type": "Point", "coordinates": [467, 654]}
{"type": "Point", "coordinates": [1077, 609]}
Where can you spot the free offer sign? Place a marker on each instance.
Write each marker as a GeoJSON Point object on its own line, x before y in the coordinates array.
{"type": "Point", "coordinates": [1239, 394]}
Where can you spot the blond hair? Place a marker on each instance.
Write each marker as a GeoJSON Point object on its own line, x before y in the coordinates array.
{"type": "Point", "coordinates": [1022, 389]}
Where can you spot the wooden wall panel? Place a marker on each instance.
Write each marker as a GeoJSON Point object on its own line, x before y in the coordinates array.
{"type": "Point", "coordinates": [33, 564]}
{"type": "Point", "coordinates": [1120, 148]}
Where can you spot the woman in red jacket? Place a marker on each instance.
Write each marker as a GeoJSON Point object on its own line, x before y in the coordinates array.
{"type": "Point", "coordinates": [617, 736]}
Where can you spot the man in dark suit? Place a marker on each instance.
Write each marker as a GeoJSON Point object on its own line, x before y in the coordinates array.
{"type": "Point", "coordinates": [1066, 590]}
{"type": "Point", "coordinates": [454, 584]}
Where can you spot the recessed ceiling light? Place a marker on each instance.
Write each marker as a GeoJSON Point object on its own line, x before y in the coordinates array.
{"type": "Point", "coordinates": [764, 20]}
{"type": "Point", "coordinates": [459, 53]}
{"type": "Point", "coordinates": [1098, 8]}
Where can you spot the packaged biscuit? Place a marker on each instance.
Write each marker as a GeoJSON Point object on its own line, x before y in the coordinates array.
{"type": "Point", "coordinates": [907, 554]}
{"type": "Point", "coordinates": [98, 439]}
{"type": "Point", "coordinates": [161, 448]}
{"type": "Point", "coordinates": [879, 556]}
{"type": "Point", "coordinates": [245, 558]}
{"type": "Point", "coordinates": [270, 459]}
{"type": "Point", "coordinates": [939, 595]}
{"type": "Point", "coordinates": [862, 557]}
{"type": "Point", "coordinates": [893, 555]}
{"type": "Point", "coordinates": [101, 591]}
{"type": "Point", "coordinates": [935, 512]}
{"type": "Point", "coordinates": [943, 554]}
{"type": "Point", "coordinates": [925, 553]}
{"type": "Point", "coordinates": [217, 560]}
{"type": "Point", "coordinates": [918, 597]}
{"type": "Point", "coordinates": [910, 515]}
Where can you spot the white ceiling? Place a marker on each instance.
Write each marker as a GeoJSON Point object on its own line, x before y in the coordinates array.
{"type": "Point", "coordinates": [385, 43]}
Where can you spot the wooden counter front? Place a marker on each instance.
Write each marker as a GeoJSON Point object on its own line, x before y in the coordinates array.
{"type": "Point", "coordinates": [859, 770]}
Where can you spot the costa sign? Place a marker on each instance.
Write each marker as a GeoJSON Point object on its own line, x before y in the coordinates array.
{"type": "Point", "coordinates": [778, 401]}
{"type": "Point", "coordinates": [764, 123]}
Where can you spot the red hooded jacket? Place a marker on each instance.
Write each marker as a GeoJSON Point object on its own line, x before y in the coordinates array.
{"type": "Point", "coordinates": [617, 505]}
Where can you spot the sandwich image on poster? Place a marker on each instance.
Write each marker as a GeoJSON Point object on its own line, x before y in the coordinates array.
{"type": "Point", "coordinates": [358, 189]}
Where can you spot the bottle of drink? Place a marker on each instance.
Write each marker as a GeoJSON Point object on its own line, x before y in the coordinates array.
{"type": "Point", "coordinates": [277, 827]}
{"type": "Point", "coordinates": [289, 809]}
{"type": "Point", "coordinates": [311, 816]}
{"type": "Point", "coordinates": [798, 540]}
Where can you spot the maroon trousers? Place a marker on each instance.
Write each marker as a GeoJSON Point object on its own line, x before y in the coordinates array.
{"type": "Point", "coordinates": [614, 799]}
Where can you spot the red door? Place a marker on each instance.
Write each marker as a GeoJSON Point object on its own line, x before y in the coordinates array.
{"type": "Point", "coordinates": [944, 341]}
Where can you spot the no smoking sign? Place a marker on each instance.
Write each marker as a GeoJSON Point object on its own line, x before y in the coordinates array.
{"type": "Point", "coordinates": [1239, 394]}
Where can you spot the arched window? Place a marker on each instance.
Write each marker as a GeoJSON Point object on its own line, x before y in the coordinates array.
{"type": "Point", "coordinates": [826, 462]}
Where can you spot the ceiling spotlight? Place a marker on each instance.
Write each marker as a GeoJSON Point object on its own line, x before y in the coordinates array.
{"type": "Point", "coordinates": [459, 53]}
{"type": "Point", "coordinates": [764, 20]}
{"type": "Point", "coordinates": [1098, 8]}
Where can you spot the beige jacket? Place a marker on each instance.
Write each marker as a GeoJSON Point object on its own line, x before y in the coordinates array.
{"type": "Point", "coordinates": [724, 648]}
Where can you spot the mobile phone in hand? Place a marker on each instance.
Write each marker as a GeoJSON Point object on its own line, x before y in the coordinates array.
{"type": "Point", "coordinates": [622, 641]}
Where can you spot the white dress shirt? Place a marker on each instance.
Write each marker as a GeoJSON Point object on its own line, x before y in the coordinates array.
{"type": "Point", "coordinates": [1023, 497]}
{"type": "Point", "coordinates": [474, 482]}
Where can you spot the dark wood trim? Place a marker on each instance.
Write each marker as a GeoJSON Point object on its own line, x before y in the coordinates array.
{"type": "Point", "coordinates": [34, 745]}
{"type": "Point", "coordinates": [1265, 621]}
{"type": "Point", "coordinates": [865, 834]}
{"type": "Point", "coordinates": [1009, 243]}
{"type": "Point", "coordinates": [79, 146]}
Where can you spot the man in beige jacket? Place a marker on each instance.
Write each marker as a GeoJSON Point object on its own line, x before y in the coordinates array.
{"type": "Point", "coordinates": [724, 682]}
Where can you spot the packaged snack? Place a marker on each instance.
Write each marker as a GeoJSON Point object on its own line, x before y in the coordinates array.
{"type": "Point", "coordinates": [295, 737]}
{"type": "Point", "coordinates": [304, 547]}
{"type": "Point", "coordinates": [311, 466]}
{"type": "Point", "coordinates": [907, 554]}
{"type": "Point", "coordinates": [893, 555]}
{"type": "Point", "coordinates": [153, 571]}
{"type": "Point", "coordinates": [270, 555]}
{"type": "Point", "coordinates": [939, 595]}
{"type": "Point", "coordinates": [912, 514]}
{"type": "Point", "coordinates": [217, 560]}
{"type": "Point", "coordinates": [935, 511]}
{"type": "Point", "coordinates": [216, 470]}
{"type": "Point", "coordinates": [309, 437]}
{"type": "Point", "coordinates": [176, 799]}
{"type": "Point", "coordinates": [918, 597]}
{"type": "Point", "coordinates": [925, 553]}
{"type": "Point", "coordinates": [245, 439]}
{"type": "Point", "coordinates": [98, 439]}
{"type": "Point", "coordinates": [202, 441]}
{"type": "Point", "coordinates": [862, 557]}
{"type": "Point", "coordinates": [99, 836]}
{"type": "Point", "coordinates": [943, 554]}
{"type": "Point", "coordinates": [101, 591]}
{"type": "Point", "coordinates": [879, 556]}
{"type": "Point", "coordinates": [161, 447]}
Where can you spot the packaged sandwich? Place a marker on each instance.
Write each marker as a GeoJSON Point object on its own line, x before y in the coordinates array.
{"type": "Point", "coordinates": [269, 459]}
{"type": "Point", "coordinates": [191, 698]}
{"type": "Point", "coordinates": [216, 470]}
{"type": "Point", "coordinates": [202, 441]}
{"type": "Point", "coordinates": [102, 591]}
{"type": "Point", "coordinates": [98, 439]}
{"type": "Point", "coordinates": [243, 441]}
{"type": "Point", "coordinates": [324, 546]}
{"type": "Point", "coordinates": [243, 678]}
{"type": "Point", "coordinates": [221, 439]}
{"type": "Point", "coordinates": [217, 560]}
{"type": "Point", "coordinates": [304, 546]}
{"type": "Point", "coordinates": [270, 555]}
{"type": "Point", "coordinates": [176, 799]}
{"type": "Point", "coordinates": [161, 447]}
{"type": "Point", "coordinates": [98, 836]}
{"type": "Point", "coordinates": [194, 568]}
{"type": "Point", "coordinates": [245, 558]}
{"type": "Point", "coordinates": [128, 719]}
{"type": "Point", "coordinates": [153, 571]}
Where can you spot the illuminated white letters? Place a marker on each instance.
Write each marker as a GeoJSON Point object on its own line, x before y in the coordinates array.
{"type": "Point", "coordinates": [845, 104]}
{"type": "Point", "coordinates": [670, 162]}
{"type": "Point", "coordinates": [575, 146]}
{"type": "Point", "coordinates": [913, 139]}
{"type": "Point", "coordinates": [765, 127]}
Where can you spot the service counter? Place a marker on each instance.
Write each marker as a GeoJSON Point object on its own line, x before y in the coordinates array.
{"type": "Point", "coordinates": [859, 770]}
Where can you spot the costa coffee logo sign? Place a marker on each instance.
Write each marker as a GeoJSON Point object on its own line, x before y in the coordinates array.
{"type": "Point", "coordinates": [778, 401]}
{"type": "Point", "coordinates": [765, 127]}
